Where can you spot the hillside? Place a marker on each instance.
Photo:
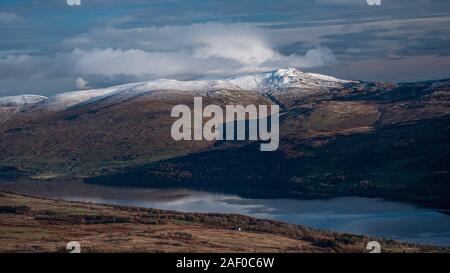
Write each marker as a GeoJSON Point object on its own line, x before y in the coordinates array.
{"type": "Point", "coordinates": [32, 224]}
{"type": "Point", "coordinates": [337, 138]}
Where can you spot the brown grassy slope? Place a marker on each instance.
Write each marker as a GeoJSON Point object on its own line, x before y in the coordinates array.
{"type": "Point", "coordinates": [29, 224]}
{"type": "Point", "coordinates": [98, 137]}
{"type": "Point", "coordinates": [110, 134]}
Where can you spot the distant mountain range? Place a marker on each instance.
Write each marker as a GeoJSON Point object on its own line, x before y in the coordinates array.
{"type": "Point", "coordinates": [338, 137]}
{"type": "Point", "coordinates": [265, 83]}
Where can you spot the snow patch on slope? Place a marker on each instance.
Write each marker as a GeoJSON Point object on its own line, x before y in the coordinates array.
{"type": "Point", "coordinates": [263, 83]}
{"type": "Point", "coordinates": [68, 99]}
{"type": "Point", "coordinates": [14, 101]}
{"type": "Point", "coordinates": [292, 78]}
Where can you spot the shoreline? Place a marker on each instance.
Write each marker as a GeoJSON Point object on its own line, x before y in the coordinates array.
{"type": "Point", "coordinates": [50, 222]}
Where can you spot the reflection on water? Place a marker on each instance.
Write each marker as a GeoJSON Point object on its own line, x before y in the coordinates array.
{"type": "Point", "coordinates": [375, 217]}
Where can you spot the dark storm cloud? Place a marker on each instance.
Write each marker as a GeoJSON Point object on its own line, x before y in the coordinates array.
{"type": "Point", "coordinates": [427, 45]}
{"type": "Point", "coordinates": [362, 44]}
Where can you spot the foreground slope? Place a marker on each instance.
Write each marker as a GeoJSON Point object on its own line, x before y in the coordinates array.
{"type": "Point", "coordinates": [30, 224]}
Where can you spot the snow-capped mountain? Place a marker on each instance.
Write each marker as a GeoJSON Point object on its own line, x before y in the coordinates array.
{"type": "Point", "coordinates": [128, 127]}
{"type": "Point", "coordinates": [275, 81]}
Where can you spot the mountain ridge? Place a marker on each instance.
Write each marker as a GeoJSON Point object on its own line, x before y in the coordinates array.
{"type": "Point", "coordinates": [263, 83]}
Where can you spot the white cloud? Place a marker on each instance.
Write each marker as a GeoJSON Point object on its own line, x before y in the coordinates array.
{"type": "Point", "coordinates": [199, 49]}
{"type": "Point", "coordinates": [81, 83]}
{"type": "Point", "coordinates": [182, 52]}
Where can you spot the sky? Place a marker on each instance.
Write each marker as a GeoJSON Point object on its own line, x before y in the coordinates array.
{"type": "Point", "coordinates": [48, 46]}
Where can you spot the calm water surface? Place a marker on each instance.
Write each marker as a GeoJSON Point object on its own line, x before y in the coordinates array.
{"type": "Point", "coordinates": [369, 216]}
